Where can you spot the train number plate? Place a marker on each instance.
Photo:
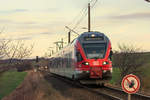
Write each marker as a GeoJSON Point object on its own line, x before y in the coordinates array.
{"type": "Point", "coordinates": [95, 62]}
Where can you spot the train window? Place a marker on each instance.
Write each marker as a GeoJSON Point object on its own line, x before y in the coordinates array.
{"type": "Point", "coordinates": [95, 50]}
{"type": "Point", "coordinates": [79, 57]}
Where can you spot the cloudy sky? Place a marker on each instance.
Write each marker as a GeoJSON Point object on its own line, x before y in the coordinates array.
{"type": "Point", "coordinates": [43, 22]}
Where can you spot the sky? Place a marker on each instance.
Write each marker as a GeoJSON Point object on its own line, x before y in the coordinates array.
{"type": "Point", "coordinates": [42, 22]}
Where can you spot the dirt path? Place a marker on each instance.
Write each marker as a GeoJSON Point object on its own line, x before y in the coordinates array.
{"type": "Point", "coordinates": [25, 90]}
{"type": "Point", "coordinates": [32, 88]}
{"type": "Point", "coordinates": [37, 87]}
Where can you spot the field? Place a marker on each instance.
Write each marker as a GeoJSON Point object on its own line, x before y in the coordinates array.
{"type": "Point", "coordinates": [9, 81]}
{"type": "Point", "coordinates": [145, 74]}
{"type": "Point", "coordinates": [115, 76]}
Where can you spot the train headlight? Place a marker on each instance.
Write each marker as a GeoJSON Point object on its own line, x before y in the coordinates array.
{"type": "Point", "coordinates": [105, 63]}
{"type": "Point", "coordinates": [93, 35]}
{"type": "Point", "coordinates": [85, 63]}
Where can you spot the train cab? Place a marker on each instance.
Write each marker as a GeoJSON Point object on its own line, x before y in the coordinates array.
{"type": "Point", "coordinates": [93, 54]}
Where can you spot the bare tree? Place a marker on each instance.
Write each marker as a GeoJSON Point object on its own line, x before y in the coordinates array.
{"type": "Point", "coordinates": [128, 59]}
{"type": "Point", "coordinates": [23, 51]}
{"type": "Point", "coordinates": [3, 47]}
{"type": "Point", "coordinates": [14, 49]}
{"type": "Point", "coordinates": [17, 50]}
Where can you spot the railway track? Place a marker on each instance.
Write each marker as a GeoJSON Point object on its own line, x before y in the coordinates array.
{"type": "Point", "coordinates": [76, 84]}
{"type": "Point", "coordinates": [109, 93]}
{"type": "Point", "coordinates": [112, 93]}
{"type": "Point", "coordinates": [136, 96]}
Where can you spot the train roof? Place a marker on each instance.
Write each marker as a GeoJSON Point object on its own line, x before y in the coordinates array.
{"type": "Point", "coordinates": [92, 36]}
{"type": "Point", "coordinates": [92, 32]}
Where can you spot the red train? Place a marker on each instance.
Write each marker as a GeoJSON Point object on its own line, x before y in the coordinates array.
{"type": "Point", "coordinates": [86, 59]}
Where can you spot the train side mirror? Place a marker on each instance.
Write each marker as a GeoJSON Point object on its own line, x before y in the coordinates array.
{"type": "Point", "coordinates": [110, 55]}
{"type": "Point", "coordinates": [111, 52]}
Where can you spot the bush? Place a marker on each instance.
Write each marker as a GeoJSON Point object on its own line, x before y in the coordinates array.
{"type": "Point", "coordinates": [128, 59]}
{"type": "Point", "coordinates": [24, 66]}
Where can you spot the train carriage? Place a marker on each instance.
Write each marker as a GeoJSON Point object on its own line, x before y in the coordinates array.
{"type": "Point", "coordinates": [87, 59]}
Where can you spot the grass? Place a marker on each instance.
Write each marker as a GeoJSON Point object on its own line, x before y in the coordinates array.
{"type": "Point", "coordinates": [115, 76]}
{"type": "Point", "coordinates": [146, 75]}
{"type": "Point", "coordinates": [9, 81]}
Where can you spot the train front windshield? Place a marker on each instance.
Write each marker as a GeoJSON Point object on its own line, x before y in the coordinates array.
{"type": "Point", "coordinates": [95, 50]}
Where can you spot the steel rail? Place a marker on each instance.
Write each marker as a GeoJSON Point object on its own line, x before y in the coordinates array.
{"type": "Point", "coordinates": [67, 80]}
{"type": "Point", "coordinates": [137, 95]}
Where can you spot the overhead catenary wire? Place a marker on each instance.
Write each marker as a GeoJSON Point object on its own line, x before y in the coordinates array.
{"type": "Point", "coordinates": [80, 17]}
{"type": "Point", "coordinates": [85, 12]}
{"type": "Point", "coordinates": [92, 5]}
{"type": "Point", "coordinates": [80, 20]}
{"type": "Point", "coordinates": [79, 14]}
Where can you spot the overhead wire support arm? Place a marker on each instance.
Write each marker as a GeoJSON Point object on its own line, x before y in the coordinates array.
{"type": "Point", "coordinates": [71, 30]}
{"type": "Point", "coordinates": [59, 44]}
